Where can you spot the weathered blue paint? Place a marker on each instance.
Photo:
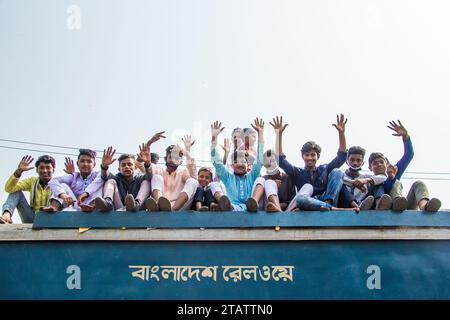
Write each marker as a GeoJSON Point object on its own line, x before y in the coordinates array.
{"type": "Point", "coordinates": [191, 219]}
{"type": "Point", "coordinates": [322, 269]}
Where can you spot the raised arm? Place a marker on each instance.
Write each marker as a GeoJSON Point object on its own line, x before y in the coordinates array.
{"type": "Point", "coordinates": [279, 127]}
{"type": "Point", "coordinates": [259, 127]}
{"type": "Point", "coordinates": [408, 152]}
{"type": "Point", "coordinates": [13, 184]}
{"type": "Point", "coordinates": [155, 138]}
{"type": "Point", "coordinates": [190, 161]}
{"type": "Point", "coordinates": [107, 160]}
{"type": "Point", "coordinates": [145, 156]}
{"type": "Point", "coordinates": [226, 150]}
{"type": "Point", "coordinates": [341, 121]}
{"type": "Point", "coordinates": [221, 171]}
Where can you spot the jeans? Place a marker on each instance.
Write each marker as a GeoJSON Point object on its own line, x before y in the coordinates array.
{"type": "Point", "coordinates": [334, 185]}
{"type": "Point", "coordinates": [18, 200]}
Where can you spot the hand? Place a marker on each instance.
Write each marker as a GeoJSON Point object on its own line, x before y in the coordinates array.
{"type": "Point", "coordinates": [155, 138]}
{"type": "Point", "coordinates": [70, 166]}
{"type": "Point", "coordinates": [188, 143]}
{"type": "Point", "coordinates": [24, 164]}
{"type": "Point", "coordinates": [144, 153]}
{"type": "Point", "coordinates": [68, 200]}
{"type": "Point", "coordinates": [360, 184]}
{"type": "Point", "coordinates": [216, 128]}
{"type": "Point", "coordinates": [278, 125]}
{"type": "Point", "coordinates": [108, 157]}
{"type": "Point", "coordinates": [399, 129]}
{"type": "Point", "coordinates": [391, 171]}
{"type": "Point", "coordinates": [259, 125]}
{"type": "Point", "coordinates": [341, 121]}
{"type": "Point", "coordinates": [226, 145]}
{"type": "Point", "coordinates": [278, 182]}
{"type": "Point", "coordinates": [82, 197]}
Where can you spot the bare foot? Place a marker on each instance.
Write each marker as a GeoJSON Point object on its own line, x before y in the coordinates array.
{"type": "Point", "coordinates": [272, 207]}
{"type": "Point", "coordinates": [48, 209]}
{"type": "Point", "coordinates": [86, 207]}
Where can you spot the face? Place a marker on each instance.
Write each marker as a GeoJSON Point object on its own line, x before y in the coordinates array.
{"type": "Point", "coordinates": [173, 158]}
{"type": "Point", "coordinates": [240, 166]}
{"type": "Point", "coordinates": [310, 158]}
{"type": "Point", "coordinates": [127, 167]}
{"type": "Point", "coordinates": [204, 178]}
{"type": "Point", "coordinates": [355, 160]}
{"type": "Point", "coordinates": [270, 163]}
{"type": "Point", "coordinates": [378, 166]}
{"type": "Point", "coordinates": [85, 164]}
{"type": "Point", "coordinates": [250, 139]}
{"type": "Point", "coordinates": [45, 171]}
{"type": "Point", "coordinates": [237, 138]}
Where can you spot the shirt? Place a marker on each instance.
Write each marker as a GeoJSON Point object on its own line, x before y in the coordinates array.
{"type": "Point", "coordinates": [39, 195]}
{"type": "Point", "coordinates": [173, 182]}
{"type": "Point", "coordinates": [402, 164]}
{"type": "Point", "coordinates": [75, 181]}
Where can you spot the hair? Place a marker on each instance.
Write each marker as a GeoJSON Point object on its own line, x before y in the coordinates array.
{"type": "Point", "coordinates": [154, 157]}
{"type": "Point", "coordinates": [87, 152]}
{"type": "Point", "coordinates": [170, 148]}
{"type": "Point", "coordinates": [236, 129]}
{"type": "Point", "coordinates": [240, 154]}
{"type": "Point", "coordinates": [126, 156]}
{"type": "Point", "coordinates": [356, 150]}
{"type": "Point", "coordinates": [45, 159]}
{"type": "Point", "coordinates": [376, 155]}
{"type": "Point", "coordinates": [205, 169]}
{"type": "Point", "coordinates": [311, 146]}
{"type": "Point", "coordinates": [247, 131]}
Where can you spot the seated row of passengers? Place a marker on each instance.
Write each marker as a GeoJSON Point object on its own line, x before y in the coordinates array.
{"type": "Point", "coordinates": [238, 186]}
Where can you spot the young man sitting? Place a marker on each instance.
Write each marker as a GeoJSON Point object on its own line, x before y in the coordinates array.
{"type": "Point", "coordinates": [124, 190]}
{"type": "Point", "coordinates": [38, 188]}
{"type": "Point", "coordinates": [78, 189]}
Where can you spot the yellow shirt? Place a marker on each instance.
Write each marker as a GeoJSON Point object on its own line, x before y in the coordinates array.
{"type": "Point", "coordinates": [39, 196]}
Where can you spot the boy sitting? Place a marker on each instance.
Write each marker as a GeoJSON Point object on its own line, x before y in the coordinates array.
{"type": "Point", "coordinates": [203, 198]}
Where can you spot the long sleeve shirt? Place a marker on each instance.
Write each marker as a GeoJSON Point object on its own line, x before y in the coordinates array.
{"type": "Point", "coordinates": [239, 188]}
{"type": "Point", "coordinates": [358, 193]}
{"type": "Point", "coordinates": [123, 185]}
{"type": "Point", "coordinates": [402, 164]}
{"type": "Point", "coordinates": [317, 178]}
{"type": "Point", "coordinates": [39, 195]}
{"type": "Point", "coordinates": [92, 184]}
{"type": "Point", "coordinates": [173, 182]}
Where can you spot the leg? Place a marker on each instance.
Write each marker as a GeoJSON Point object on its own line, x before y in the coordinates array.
{"type": "Point", "coordinates": [18, 200]}
{"type": "Point", "coordinates": [273, 202]}
{"type": "Point", "coordinates": [184, 201]}
{"type": "Point", "coordinates": [419, 197]}
{"type": "Point", "coordinates": [334, 185]}
{"type": "Point", "coordinates": [257, 194]}
{"type": "Point", "coordinates": [307, 190]}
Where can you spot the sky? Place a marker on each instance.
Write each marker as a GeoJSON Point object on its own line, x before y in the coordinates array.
{"type": "Point", "coordinates": [98, 73]}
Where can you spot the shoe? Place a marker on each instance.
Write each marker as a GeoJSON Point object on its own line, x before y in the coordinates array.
{"type": "Point", "coordinates": [103, 205]}
{"type": "Point", "coordinates": [384, 203]}
{"type": "Point", "coordinates": [86, 207]}
{"type": "Point", "coordinates": [399, 204]}
{"type": "Point", "coordinates": [130, 203]}
{"type": "Point", "coordinates": [252, 205]}
{"type": "Point", "coordinates": [164, 204]}
{"type": "Point", "coordinates": [322, 208]}
{"type": "Point", "coordinates": [203, 208]}
{"type": "Point", "coordinates": [271, 207]}
{"type": "Point", "coordinates": [367, 203]}
{"type": "Point", "coordinates": [214, 207]}
{"type": "Point", "coordinates": [224, 203]}
{"type": "Point", "coordinates": [433, 205]}
{"type": "Point", "coordinates": [151, 204]}
{"type": "Point", "coordinates": [48, 209]}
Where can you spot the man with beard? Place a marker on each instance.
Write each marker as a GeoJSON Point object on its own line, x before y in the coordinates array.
{"type": "Point", "coordinates": [173, 187]}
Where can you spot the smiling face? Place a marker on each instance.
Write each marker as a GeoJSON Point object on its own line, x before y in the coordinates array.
{"type": "Point", "coordinates": [127, 167]}
{"type": "Point", "coordinates": [240, 164]}
{"type": "Point", "coordinates": [378, 166]}
{"type": "Point", "coordinates": [85, 164]}
{"type": "Point", "coordinates": [204, 177]}
{"type": "Point", "coordinates": [45, 171]}
{"type": "Point", "coordinates": [310, 158]}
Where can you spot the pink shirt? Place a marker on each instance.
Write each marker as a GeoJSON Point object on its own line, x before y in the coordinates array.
{"type": "Point", "coordinates": [174, 182]}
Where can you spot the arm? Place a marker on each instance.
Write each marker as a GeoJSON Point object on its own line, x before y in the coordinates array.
{"type": "Point", "coordinates": [107, 160]}
{"type": "Point", "coordinates": [340, 127]}
{"type": "Point", "coordinates": [95, 185]}
{"type": "Point", "coordinates": [13, 184]}
{"type": "Point", "coordinates": [278, 126]}
{"type": "Point", "coordinates": [190, 161]}
{"type": "Point", "coordinates": [221, 171]}
{"type": "Point", "coordinates": [226, 148]}
{"type": "Point", "coordinates": [55, 184]}
{"type": "Point", "coordinates": [408, 151]}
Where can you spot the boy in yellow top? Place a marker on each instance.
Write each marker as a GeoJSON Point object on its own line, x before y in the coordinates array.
{"type": "Point", "coordinates": [37, 186]}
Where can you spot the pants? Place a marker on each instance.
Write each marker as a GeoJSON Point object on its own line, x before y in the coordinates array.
{"type": "Point", "coordinates": [69, 191]}
{"type": "Point", "coordinates": [237, 206]}
{"type": "Point", "coordinates": [309, 203]}
{"type": "Point", "coordinates": [18, 200]}
{"type": "Point", "coordinates": [417, 192]}
{"type": "Point", "coordinates": [110, 190]}
{"type": "Point", "coordinates": [189, 188]}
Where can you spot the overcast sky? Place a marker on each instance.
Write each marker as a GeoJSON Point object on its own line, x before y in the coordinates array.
{"type": "Point", "coordinates": [137, 67]}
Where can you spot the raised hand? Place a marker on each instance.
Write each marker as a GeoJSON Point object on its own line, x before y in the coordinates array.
{"type": "Point", "coordinates": [108, 157]}
{"type": "Point", "coordinates": [226, 145]}
{"type": "Point", "coordinates": [156, 137]}
{"type": "Point", "coordinates": [391, 171]}
{"type": "Point", "coordinates": [188, 142]}
{"type": "Point", "coordinates": [399, 129]}
{"type": "Point", "coordinates": [341, 121]}
{"type": "Point", "coordinates": [24, 164]}
{"type": "Point", "coordinates": [278, 124]}
{"type": "Point", "coordinates": [216, 128]}
{"type": "Point", "coordinates": [144, 153]}
{"type": "Point", "coordinates": [258, 125]}
{"type": "Point", "coordinates": [70, 166]}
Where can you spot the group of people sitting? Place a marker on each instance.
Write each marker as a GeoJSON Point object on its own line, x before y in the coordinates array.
{"type": "Point", "coordinates": [237, 185]}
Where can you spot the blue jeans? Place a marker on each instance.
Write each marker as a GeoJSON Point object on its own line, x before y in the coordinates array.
{"type": "Point", "coordinates": [18, 200]}
{"type": "Point", "coordinates": [334, 185]}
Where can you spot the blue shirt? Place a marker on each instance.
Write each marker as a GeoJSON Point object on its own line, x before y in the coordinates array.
{"type": "Point", "coordinates": [239, 188]}
{"type": "Point", "coordinates": [402, 164]}
{"type": "Point", "coordinates": [317, 178]}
